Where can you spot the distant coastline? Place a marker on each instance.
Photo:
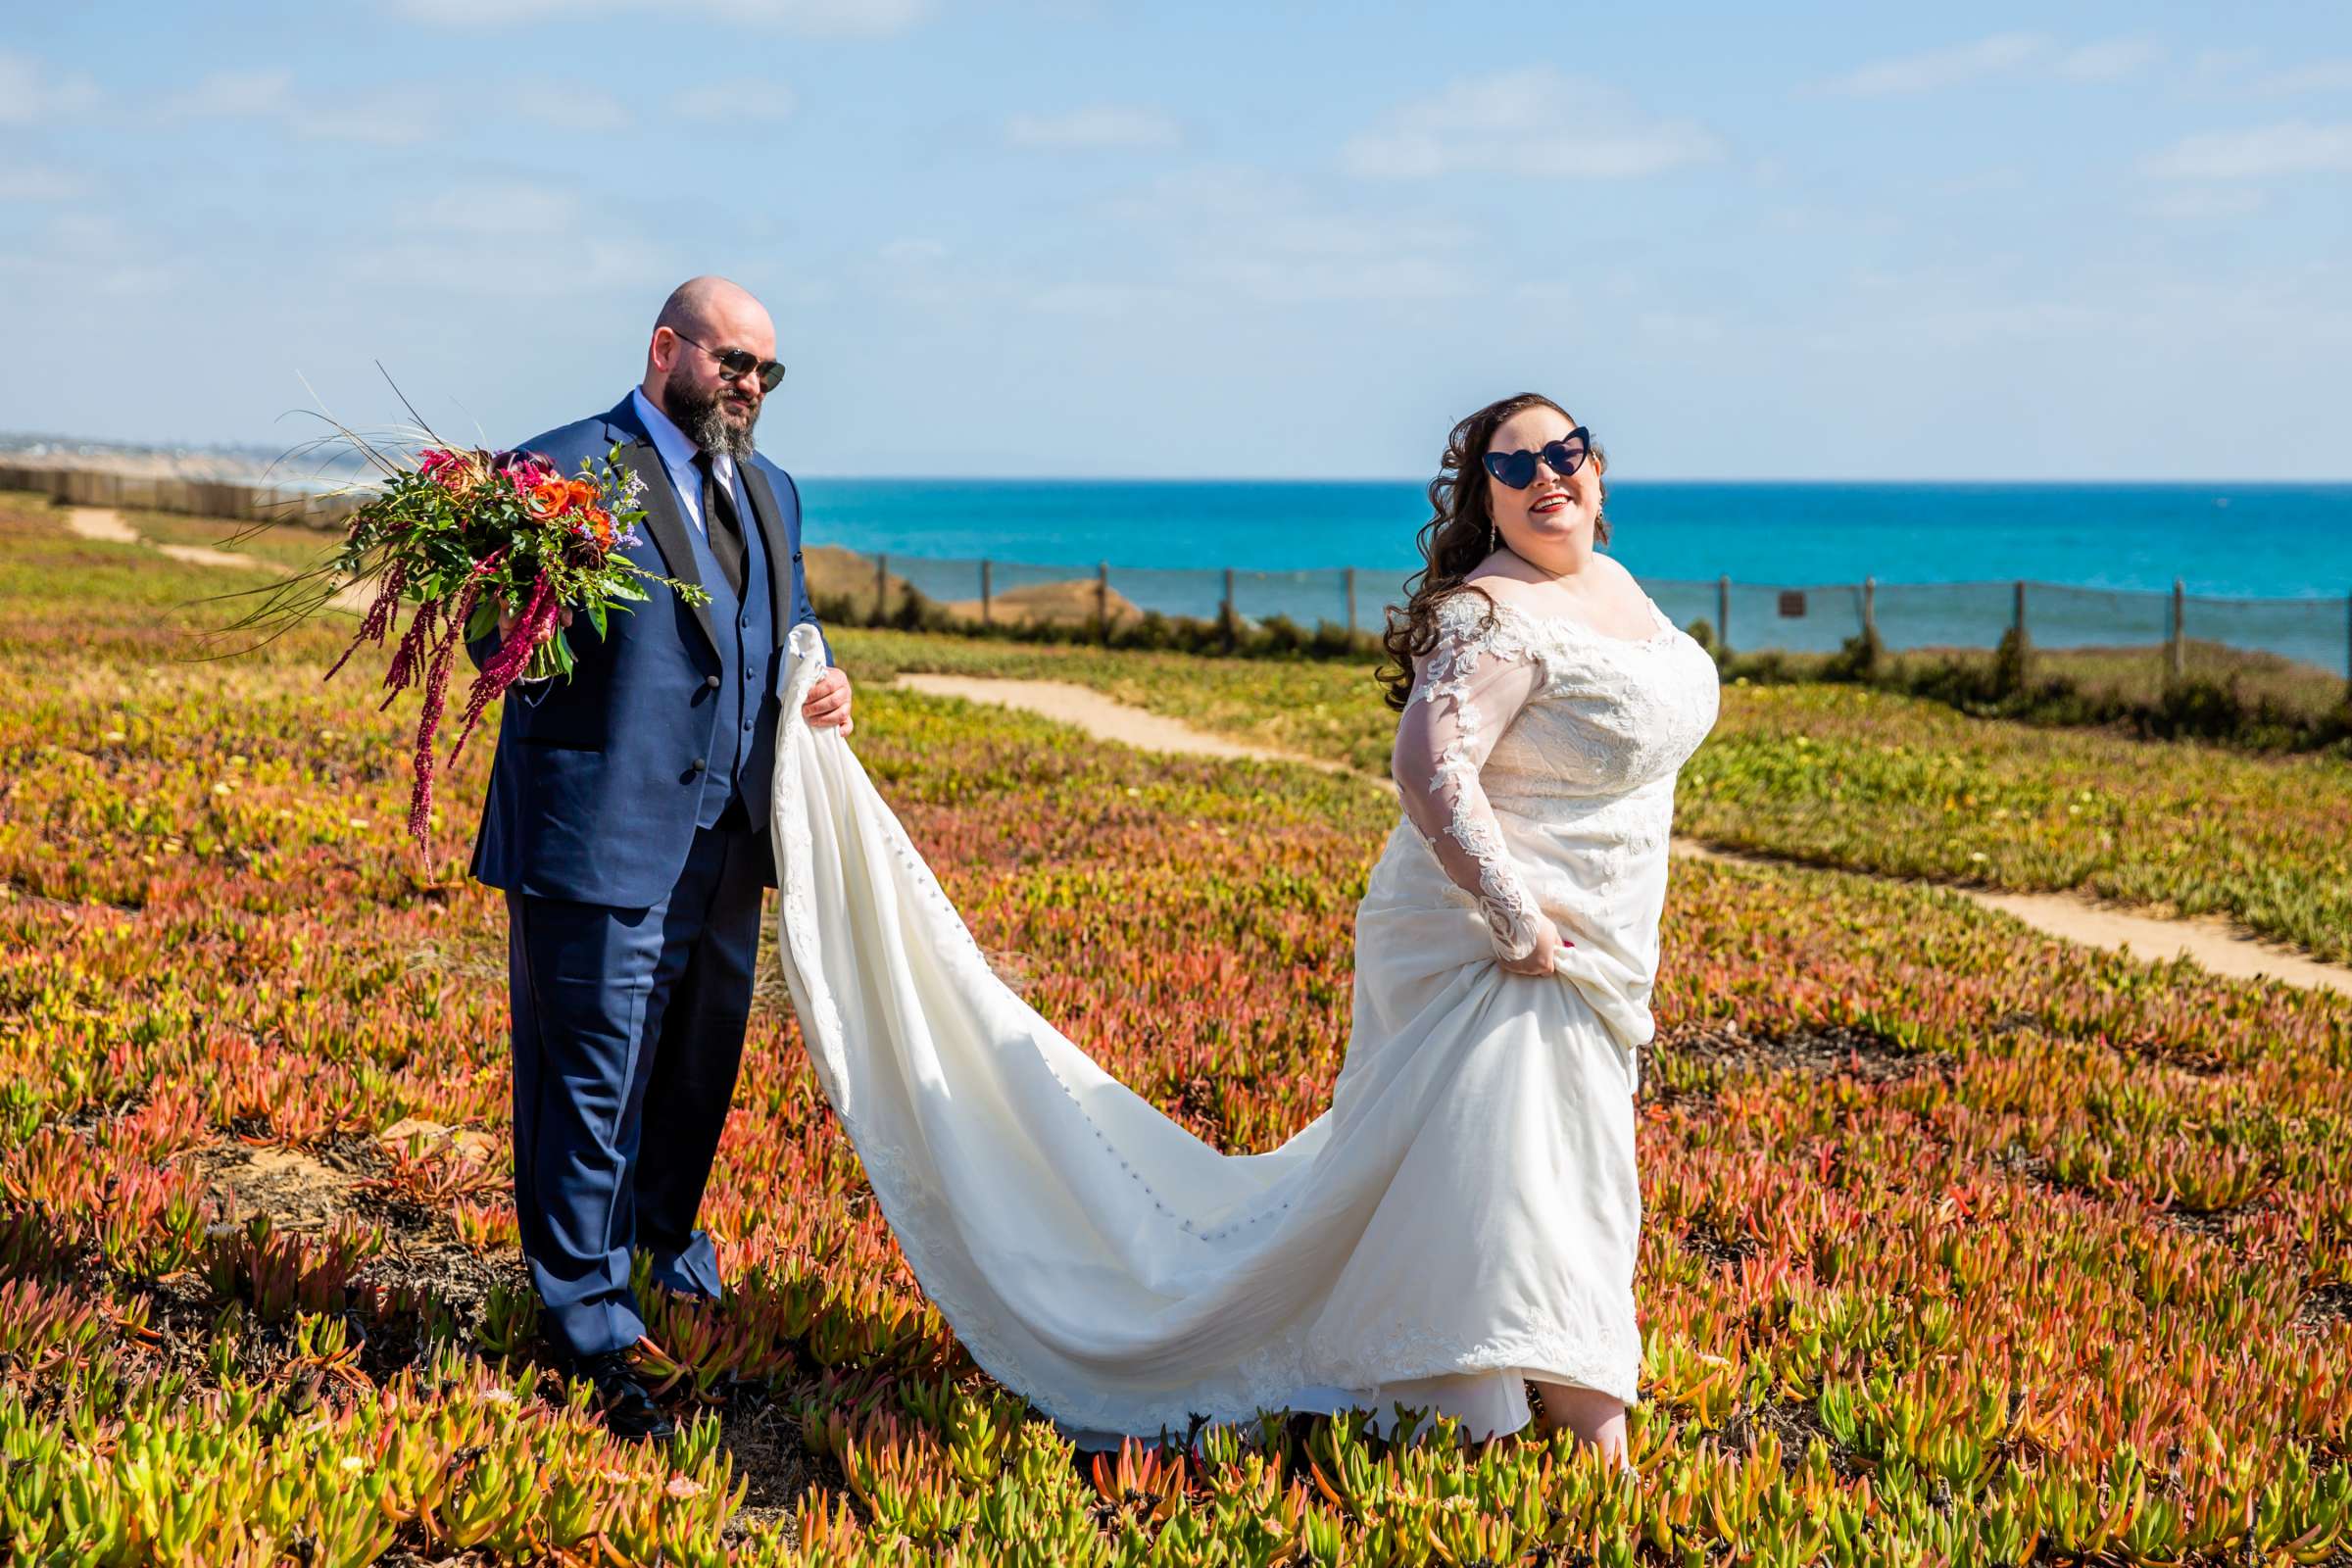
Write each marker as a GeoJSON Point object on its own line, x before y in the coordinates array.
{"type": "Point", "coordinates": [2225, 537]}
{"type": "Point", "coordinates": [2253, 540]}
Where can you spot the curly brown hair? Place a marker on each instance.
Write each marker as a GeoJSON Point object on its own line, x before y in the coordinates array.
{"type": "Point", "coordinates": [1455, 537]}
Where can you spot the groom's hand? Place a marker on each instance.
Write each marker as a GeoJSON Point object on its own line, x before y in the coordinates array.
{"type": "Point", "coordinates": [508, 620]}
{"type": "Point", "coordinates": [828, 702]}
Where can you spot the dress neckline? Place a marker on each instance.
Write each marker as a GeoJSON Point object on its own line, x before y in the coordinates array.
{"type": "Point", "coordinates": [1666, 627]}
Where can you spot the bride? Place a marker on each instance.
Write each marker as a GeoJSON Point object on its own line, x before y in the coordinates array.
{"type": "Point", "coordinates": [1462, 1220]}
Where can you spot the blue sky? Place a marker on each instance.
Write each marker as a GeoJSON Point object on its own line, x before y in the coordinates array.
{"type": "Point", "coordinates": [2097, 241]}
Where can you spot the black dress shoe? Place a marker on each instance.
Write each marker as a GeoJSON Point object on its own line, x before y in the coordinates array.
{"type": "Point", "coordinates": [629, 1411]}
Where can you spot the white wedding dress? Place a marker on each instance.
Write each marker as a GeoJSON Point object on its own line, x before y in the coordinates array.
{"type": "Point", "coordinates": [1464, 1215]}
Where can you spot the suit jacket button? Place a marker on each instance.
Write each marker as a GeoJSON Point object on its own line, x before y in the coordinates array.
{"type": "Point", "coordinates": [700, 764]}
{"type": "Point", "coordinates": [711, 681]}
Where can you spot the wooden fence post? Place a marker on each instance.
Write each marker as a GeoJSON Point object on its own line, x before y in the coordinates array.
{"type": "Point", "coordinates": [1723, 613]}
{"type": "Point", "coordinates": [1350, 604]}
{"type": "Point", "coordinates": [1233, 614]}
{"type": "Point", "coordinates": [1102, 600]}
{"type": "Point", "coordinates": [2017, 616]}
{"type": "Point", "coordinates": [881, 589]}
{"type": "Point", "coordinates": [985, 592]}
{"type": "Point", "coordinates": [1869, 608]}
{"type": "Point", "coordinates": [2177, 662]}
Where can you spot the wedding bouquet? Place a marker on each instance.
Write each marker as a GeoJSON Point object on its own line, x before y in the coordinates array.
{"type": "Point", "coordinates": [468, 537]}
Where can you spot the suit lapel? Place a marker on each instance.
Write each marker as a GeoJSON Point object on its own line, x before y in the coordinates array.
{"type": "Point", "coordinates": [773, 538]}
{"type": "Point", "coordinates": [663, 521]}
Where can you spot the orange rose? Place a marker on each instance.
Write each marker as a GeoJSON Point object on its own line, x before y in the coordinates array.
{"type": "Point", "coordinates": [550, 498]}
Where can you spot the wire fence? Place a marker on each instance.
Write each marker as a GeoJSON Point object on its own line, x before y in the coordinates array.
{"type": "Point", "coordinates": [239, 499]}
{"type": "Point", "coordinates": [2290, 643]}
{"type": "Point", "coordinates": [2314, 634]}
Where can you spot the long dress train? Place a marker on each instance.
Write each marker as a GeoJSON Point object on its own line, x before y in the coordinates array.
{"type": "Point", "coordinates": [1462, 1218]}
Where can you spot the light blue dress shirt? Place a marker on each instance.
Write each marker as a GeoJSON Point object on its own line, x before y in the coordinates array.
{"type": "Point", "coordinates": [678, 450]}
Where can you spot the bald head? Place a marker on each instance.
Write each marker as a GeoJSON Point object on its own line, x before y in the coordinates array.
{"type": "Point", "coordinates": [709, 302]}
{"type": "Point", "coordinates": [703, 319]}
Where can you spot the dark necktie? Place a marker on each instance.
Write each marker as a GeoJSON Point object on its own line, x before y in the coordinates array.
{"type": "Point", "coordinates": [721, 524]}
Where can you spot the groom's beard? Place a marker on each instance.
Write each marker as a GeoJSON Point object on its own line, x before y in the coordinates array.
{"type": "Point", "coordinates": [704, 416]}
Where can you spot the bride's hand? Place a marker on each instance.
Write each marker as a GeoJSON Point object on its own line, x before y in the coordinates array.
{"type": "Point", "coordinates": [1546, 952]}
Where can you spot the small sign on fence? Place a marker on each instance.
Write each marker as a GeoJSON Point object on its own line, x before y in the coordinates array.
{"type": "Point", "coordinates": [1792, 604]}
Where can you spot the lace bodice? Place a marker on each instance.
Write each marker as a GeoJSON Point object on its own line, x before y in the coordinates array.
{"type": "Point", "coordinates": [1540, 717]}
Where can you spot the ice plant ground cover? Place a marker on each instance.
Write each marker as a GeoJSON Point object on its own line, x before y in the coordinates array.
{"type": "Point", "coordinates": [1961, 1245]}
{"type": "Point", "coordinates": [1824, 774]}
{"type": "Point", "coordinates": [1839, 775]}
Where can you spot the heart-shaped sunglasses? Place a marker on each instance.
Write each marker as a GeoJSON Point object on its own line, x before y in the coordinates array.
{"type": "Point", "coordinates": [1564, 456]}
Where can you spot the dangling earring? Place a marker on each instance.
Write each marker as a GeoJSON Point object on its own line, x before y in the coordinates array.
{"type": "Point", "coordinates": [1489, 537]}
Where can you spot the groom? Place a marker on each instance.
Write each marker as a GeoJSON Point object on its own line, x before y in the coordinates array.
{"type": "Point", "coordinates": [627, 824]}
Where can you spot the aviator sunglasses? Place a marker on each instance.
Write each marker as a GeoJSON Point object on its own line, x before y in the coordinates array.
{"type": "Point", "coordinates": [739, 362]}
{"type": "Point", "coordinates": [1565, 455]}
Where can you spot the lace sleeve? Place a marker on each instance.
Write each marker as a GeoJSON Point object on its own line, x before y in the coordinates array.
{"type": "Point", "coordinates": [1466, 690]}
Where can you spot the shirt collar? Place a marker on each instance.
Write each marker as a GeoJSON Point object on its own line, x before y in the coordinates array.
{"type": "Point", "coordinates": [676, 448]}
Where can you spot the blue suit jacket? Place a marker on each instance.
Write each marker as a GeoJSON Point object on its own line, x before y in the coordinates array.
{"type": "Point", "coordinates": [596, 786]}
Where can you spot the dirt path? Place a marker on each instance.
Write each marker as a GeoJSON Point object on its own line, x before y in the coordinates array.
{"type": "Point", "coordinates": [100, 522]}
{"type": "Point", "coordinates": [1104, 718]}
{"type": "Point", "coordinates": [2215, 945]}
{"type": "Point", "coordinates": [107, 525]}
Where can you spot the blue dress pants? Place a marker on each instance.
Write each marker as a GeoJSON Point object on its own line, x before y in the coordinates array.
{"type": "Point", "coordinates": [628, 1030]}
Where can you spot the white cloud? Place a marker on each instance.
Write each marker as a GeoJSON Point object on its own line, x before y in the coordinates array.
{"type": "Point", "coordinates": [1235, 232]}
{"type": "Point", "coordinates": [744, 98]}
{"type": "Point", "coordinates": [386, 116]}
{"type": "Point", "coordinates": [916, 271]}
{"type": "Point", "coordinates": [1298, 281]}
{"type": "Point", "coordinates": [397, 115]}
{"type": "Point", "coordinates": [1535, 119]}
{"type": "Point", "coordinates": [838, 18]}
{"type": "Point", "coordinates": [2111, 60]}
{"type": "Point", "coordinates": [236, 95]}
{"type": "Point", "coordinates": [1680, 328]}
{"type": "Point", "coordinates": [1096, 125]}
{"type": "Point", "coordinates": [496, 207]}
{"type": "Point", "coordinates": [504, 265]}
{"type": "Point", "coordinates": [1103, 301]}
{"type": "Point", "coordinates": [2218, 61]}
{"type": "Point", "coordinates": [2003, 177]}
{"type": "Point", "coordinates": [2319, 76]}
{"type": "Point", "coordinates": [2124, 307]}
{"type": "Point", "coordinates": [2196, 204]}
{"type": "Point", "coordinates": [1941, 68]}
{"type": "Point", "coordinates": [39, 182]}
{"type": "Point", "coordinates": [2295, 147]}
{"type": "Point", "coordinates": [390, 117]}
{"type": "Point", "coordinates": [83, 256]}
{"type": "Point", "coordinates": [30, 95]}
{"type": "Point", "coordinates": [568, 106]}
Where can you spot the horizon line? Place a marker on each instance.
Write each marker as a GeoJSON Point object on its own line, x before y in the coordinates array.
{"type": "Point", "coordinates": [2343, 482]}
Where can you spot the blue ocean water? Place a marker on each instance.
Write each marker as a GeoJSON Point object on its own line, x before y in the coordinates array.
{"type": "Point", "coordinates": [2113, 551]}
{"type": "Point", "coordinates": [2235, 540]}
